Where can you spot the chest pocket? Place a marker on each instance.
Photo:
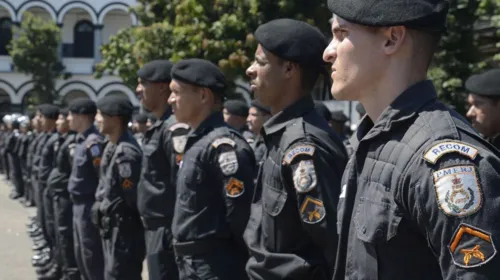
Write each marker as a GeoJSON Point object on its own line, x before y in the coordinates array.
{"type": "Point", "coordinates": [190, 177]}
{"type": "Point", "coordinates": [376, 222]}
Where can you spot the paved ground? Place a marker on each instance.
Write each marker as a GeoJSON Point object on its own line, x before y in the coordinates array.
{"type": "Point", "coordinates": [15, 245]}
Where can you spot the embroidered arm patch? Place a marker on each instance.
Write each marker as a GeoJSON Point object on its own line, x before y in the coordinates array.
{"type": "Point", "coordinates": [298, 150]}
{"type": "Point", "coordinates": [304, 176]}
{"type": "Point", "coordinates": [228, 163]}
{"type": "Point", "coordinates": [438, 150]}
{"type": "Point", "coordinates": [458, 192]}
{"type": "Point", "coordinates": [471, 247]}
{"type": "Point", "coordinates": [234, 188]}
{"type": "Point", "coordinates": [125, 172]}
{"type": "Point", "coordinates": [312, 210]}
{"type": "Point", "coordinates": [224, 140]}
{"type": "Point", "coordinates": [179, 143]}
{"type": "Point", "coordinates": [178, 125]}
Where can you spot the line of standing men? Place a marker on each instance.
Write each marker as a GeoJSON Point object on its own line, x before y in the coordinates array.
{"type": "Point", "coordinates": [418, 193]}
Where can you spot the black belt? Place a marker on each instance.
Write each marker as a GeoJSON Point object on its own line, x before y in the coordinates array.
{"type": "Point", "coordinates": [81, 199]}
{"type": "Point", "coordinates": [199, 247]}
{"type": "Point", "coordinates": [155, 223]}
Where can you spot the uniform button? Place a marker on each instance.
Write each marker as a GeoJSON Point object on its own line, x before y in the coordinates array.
{"type": "Point", "coordinates": [363, 230]}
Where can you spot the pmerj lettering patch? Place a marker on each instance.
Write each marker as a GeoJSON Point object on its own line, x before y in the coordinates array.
{"type": "Point", "coordinates": [228, 162]}
{"type": "Point", "coordinates": [437, 151]}
{"type": "Point", "coordinates": [222, 141]}
{"type": "Point", "coordinates": [179, 143]}
{"type": "Point", "coordinates": [304, 176]}
{"type": "Point", "coordinates": [471, 247]}
{"type": "Point", "coordinates": [458, 192]}
{"type": "Point", "coordinates": [298, 150]}
{"type": "Point", "coordinates": [125, 170]}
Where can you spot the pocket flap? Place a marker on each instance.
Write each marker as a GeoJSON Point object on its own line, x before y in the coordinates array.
{"type": "Point", "coordinates": [273, 200]}
{"type": "Point", "coordinates": [376, 222]}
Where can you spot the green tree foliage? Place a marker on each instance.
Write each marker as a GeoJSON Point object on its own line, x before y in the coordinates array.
{"type": "Point", "coordinates": [34, 51]}
{"type": "Point", "coordinates": [216, 30]}
{"type": "Point", "coordinates": [472, 25]}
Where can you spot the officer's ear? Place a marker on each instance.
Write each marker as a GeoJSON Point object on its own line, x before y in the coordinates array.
{"type": "Point", "coordinates": [394, 37]}
{"type": "Point", "coordinates": [206, 96]}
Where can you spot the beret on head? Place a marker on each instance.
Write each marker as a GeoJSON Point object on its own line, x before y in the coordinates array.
{"type": "Point", "coordinates": [237, 107]}
{"type": "Point", "coordinates": [427, 15]}
{"type": "Point", "coordinates": [152, 117]}
{"type": "Point", "coordinates": [115, 106]}
{"type": "Point", "coordinates": [141, 118]}
{"type": "Point", "coordinates": [83, 106]}
{"type": "Point", "coordinates": [255, 103]}
{"type": "Point", "coordinates": [485, 84]}
{"type": "Point", "coordinates": [322, 110]}
{"type": "Point", "coordinates": [49, 111]}
{"type": "Point", "coordinates": [293, 40]}
{"type": "Point", "coordinates": [156, 71]}
{"type": "Point", "coordinates": [200, 72]}
{"type": "Point", "coordinates": [30, 115]}
{"type": "Point", "coordinates": [64, 112]}
{"type": "Point", "coordinates": [339, 116]}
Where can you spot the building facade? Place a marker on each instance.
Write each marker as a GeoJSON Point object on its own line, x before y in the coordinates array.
{"type": "Point", "coordinates": [85, 26]}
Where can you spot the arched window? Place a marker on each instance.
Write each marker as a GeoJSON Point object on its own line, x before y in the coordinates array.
{"type": "Point", "coordinates": [5, 34]}
{"type": "Point", "coordinates": [84, 39]}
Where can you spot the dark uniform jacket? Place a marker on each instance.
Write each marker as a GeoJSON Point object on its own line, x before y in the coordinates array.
{"type": "Point", "coordinates": [420, 196]}
{"type": "Point", "coordinates": [37, 155]}
{"type": "Point", "coordinates": [259, 148]}
{"type": "Point", "coordinates": [291, 232]}
{"type": "Point", "coordinates": [214, 187]}
{"type": "Point", "coordinates": [64, 149]}
{"type": "Point", "coordinates": [48, 158]}
{"type": "Point", "coordinates": [163, 146]}
{"type": "Point", "coordinates": [86, 163]}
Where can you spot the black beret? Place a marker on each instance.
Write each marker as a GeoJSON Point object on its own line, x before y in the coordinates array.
{"type": "Point", "coordinates": [322, 110]}
{"type": "Point", "coordinates": [485, 84]}
{"type": "Point", "coordinates": [199, 72]}
{"type": "Point", "coordinates": [156, 71]}
{"type": "Point", "coordinates": [427, 15]}
{"type": "Point", "coordinates": [115, 106]}
{"type": "Point", "coordinates": [339, 116]}
{"type": "Point", "coordinates": [49, 111]}
{"type": "Point", "coordinates": [83, 106]}
{"type": "Point", "coordinates": [64, 112]}
{"type": "Point", "coordinates": [237, 107]}
{"type": "Point", "coordinates": [255, 103]}
{"type": "Point", "coordinates": [293, 40]}
{"type": "Point", "coordinates": [141, 118]}
{"type": "Point", "coordinates": [360, 109]}
{"type": "Point", "coordinates": [152, 117]}
{"type": "Point", "coordinates": [31, 115]}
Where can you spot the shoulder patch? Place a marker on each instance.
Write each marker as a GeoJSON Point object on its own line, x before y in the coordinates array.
{"type": "Point", "coordinates": [179, 143]}
{"type": "Point", "coordinates": [95, 150]}
{"type": "Point", "coordinates": [228, 162]}
{"type": "Point", "coordinates": [471, 247]}
{"type": "Point", "coordinates": [438, 150]}
{"type": "Point", "coordinates": [222, 141]}
{"type": "Point", "coordinates": [178, 125]}
{"type": "Point", "coordinates": [298, 150]}
{"type": "Point", "coordinates": [458, 192]}
{"type": "Point", "coordinates": [125, 170]}
{"type": "Point", "coordinates": [234, 188]}
{"type": "Point", "coordinates": [312, 210]}
{"type": "Point", "coordinates": [304, 176]}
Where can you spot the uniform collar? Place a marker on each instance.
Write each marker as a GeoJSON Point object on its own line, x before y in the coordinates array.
{"type": "Point", "coordinates": [404, 107]}
{"type": "Point", "coordinates": [86, 133]}
{"type": "Point", "coordinates": [125, 137]}
{"type": "Point", "coordinates": [164, 117]}
{"type": "Point", "coordinates": [283, 118]}
{"type": "Point", "coordinates": [214, 120]}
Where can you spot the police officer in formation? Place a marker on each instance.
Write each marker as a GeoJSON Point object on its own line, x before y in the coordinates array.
{"type": "Point", "coordinates": [215, 180]}
{"type": "Point", "coordinates": [294, 206]}
{"type": "Point", "coordinates": [235, 115]}
{"type": "Point", "coordinates": [258, 114]}
{"type": "Point", "coordinates": [163, 147]}
{"type": "Point", "coordinates": [117, 215]}
{"type": "Point", "coordinates": [82, 188]}
{"type": "Point", "coordinates": [484, 104]}
{"type": "Point", "coordinates": [417, 199]}
{"type": "Point", "coordinates": [139, 127]}
{"type": "Point", "coordinates": [420, 196]}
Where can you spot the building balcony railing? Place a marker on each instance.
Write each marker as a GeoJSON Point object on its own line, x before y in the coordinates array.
{"type": "Point", "coordinates": [79, 65]}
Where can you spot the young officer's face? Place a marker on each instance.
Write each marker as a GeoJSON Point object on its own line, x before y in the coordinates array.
{"type": "Point", "coordinates": [355, 53]}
